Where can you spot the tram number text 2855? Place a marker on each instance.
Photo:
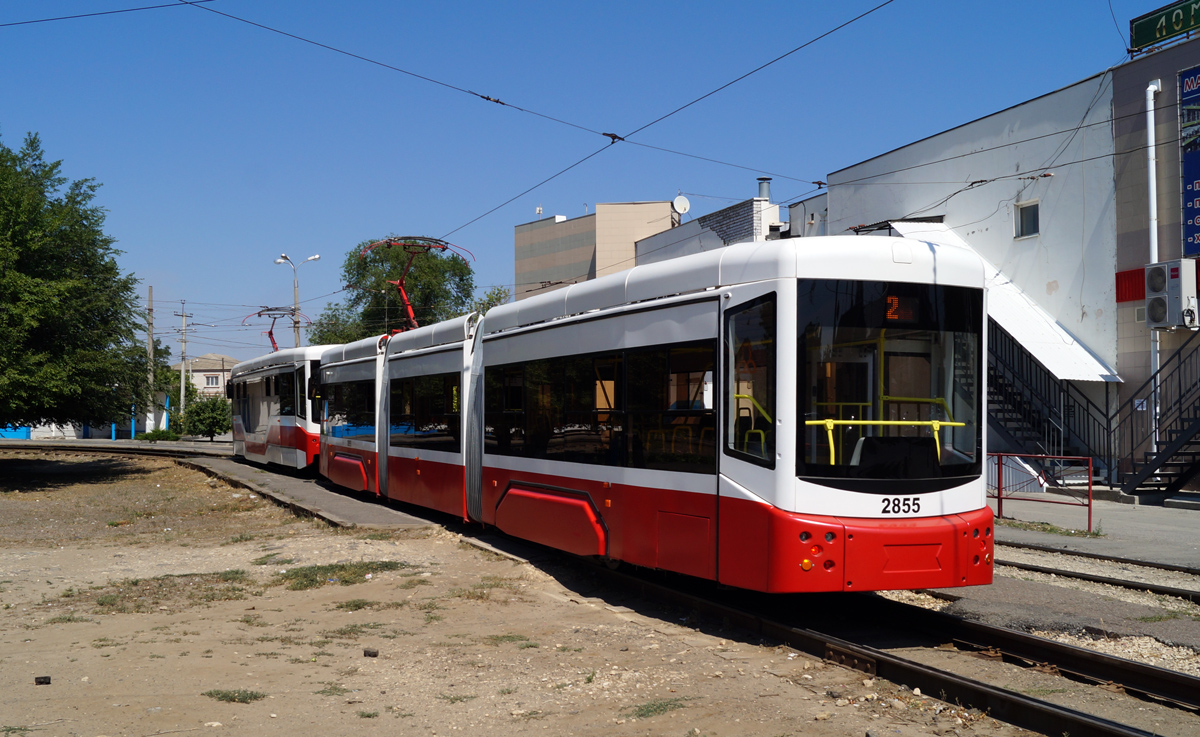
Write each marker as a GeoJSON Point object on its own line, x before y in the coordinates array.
{"type": "Point", "coordinates": [901, 505]}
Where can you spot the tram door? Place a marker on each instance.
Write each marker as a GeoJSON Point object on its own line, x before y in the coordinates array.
{"type": "Point", "coordinates": [756, 399]}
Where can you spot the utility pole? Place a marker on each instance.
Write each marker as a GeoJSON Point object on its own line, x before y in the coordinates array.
{"type": "Point", "coordinates": [183, 355]}
{"type": "Point", "coordinates": [150, 359]}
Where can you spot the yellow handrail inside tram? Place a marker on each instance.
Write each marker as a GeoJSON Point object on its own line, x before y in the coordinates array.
{"type": "Point", "coordinates": [935, 425]}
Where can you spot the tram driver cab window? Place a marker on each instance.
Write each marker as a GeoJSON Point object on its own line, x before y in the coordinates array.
{"type": "Point", "coordinates": [750, 349]}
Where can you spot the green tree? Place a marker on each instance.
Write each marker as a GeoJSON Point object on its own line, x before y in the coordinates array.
{"type": "Point", "coordinates": [68, 351]}
{"type": "Point", "coordinates": [491, 298]}
{"type": "Point", "coordinates": [337, 323]}
{"type": "Point", "coordinates": [211, 416]}
{"type": "Point", "coordinates": [439, 286]}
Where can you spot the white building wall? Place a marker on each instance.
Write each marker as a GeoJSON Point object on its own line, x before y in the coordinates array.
{"type": "Point", "coordinates": [974, 176]}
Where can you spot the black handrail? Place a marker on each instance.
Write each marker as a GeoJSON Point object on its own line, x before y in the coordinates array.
{"type": "Point", "coordinates": [1063, 413]}
{"type": "Point", "coordinates": [1157, 407]}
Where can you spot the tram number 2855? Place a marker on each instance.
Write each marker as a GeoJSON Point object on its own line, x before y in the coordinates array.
{"type": "Point", "coordinates": [901, 505]}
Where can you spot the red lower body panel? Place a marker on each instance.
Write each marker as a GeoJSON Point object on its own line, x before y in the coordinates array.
{"type": "Point", "coordinates": [349, 467]}
{"type": "Point", "coordinates": [652, 527]}
{"type": "Point", "coordinates": [565, 521]}
{"type": "Point", "coordinates": [291, 437]}
{"type": "Point", "coordinates": [766, 549]}
{"type": "Point", "coordinates": [438, 486]}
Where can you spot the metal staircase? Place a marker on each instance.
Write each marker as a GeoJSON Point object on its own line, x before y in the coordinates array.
{"type": "Point", "coordinates": [1156, 432]}
{"type": "Point", "coordinates": [1037, 412]}
{"type": "Point", "coordinates": [1150, 443]}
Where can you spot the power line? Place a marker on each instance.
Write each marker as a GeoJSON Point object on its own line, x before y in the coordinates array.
{"type": "Point", "coordinates": [390, 67]}
{"type": "Point", "coordinates": [522, 194]}
{"type": "Point", "coordinates": [1107, 121]}
{"type": "Point", "coordinates": [613, 138]}
{"type": "Point", "coordinates": [102, 12]}
{"type": "Point", "coordinates": [759, 68]}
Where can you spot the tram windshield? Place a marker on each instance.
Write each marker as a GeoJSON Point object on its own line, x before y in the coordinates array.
{"type": "Point", "coordinates": [888, 380]}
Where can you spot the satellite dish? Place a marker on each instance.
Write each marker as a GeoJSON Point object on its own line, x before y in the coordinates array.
{"type": "Point", "coordinates": [681, 205]}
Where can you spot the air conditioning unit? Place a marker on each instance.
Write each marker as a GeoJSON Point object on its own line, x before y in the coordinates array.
{"type": "Point", "coordinates": [1171, 295]}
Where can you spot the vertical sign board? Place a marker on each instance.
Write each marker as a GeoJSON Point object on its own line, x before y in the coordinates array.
{"type": "Point", "coordinates": [1189, 158]}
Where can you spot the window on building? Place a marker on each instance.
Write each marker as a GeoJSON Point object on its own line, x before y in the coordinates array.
{"type": "Point", "coordinates": [212, 381]}
{"type": "Point", "coordinates": [1027, 220]}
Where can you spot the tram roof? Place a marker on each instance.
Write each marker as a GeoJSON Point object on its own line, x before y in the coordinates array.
{"type": "Point", "coordinates": [863, 257]}
{"type": "Point", "coordinates": [454, 330]}
{"type": "Point", "coordinates": [282, 357]}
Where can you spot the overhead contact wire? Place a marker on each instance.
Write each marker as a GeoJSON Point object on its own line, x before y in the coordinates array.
{"type": "Point", "coordinates": [100, 12]}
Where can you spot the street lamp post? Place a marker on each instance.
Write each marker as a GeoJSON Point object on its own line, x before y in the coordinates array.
{"type": "Point", "coordinates": [283, 259]}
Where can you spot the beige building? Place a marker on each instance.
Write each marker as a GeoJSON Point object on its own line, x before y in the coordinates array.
{"type": "Point", "coordinates": [555, 251]}
{"type": "Point", "coordinates": [210, 373]}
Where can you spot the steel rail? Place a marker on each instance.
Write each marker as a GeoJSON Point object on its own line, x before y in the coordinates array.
{"type": "Point", "coordinates": [1149, 681]}
{"type": "Point", "coordinates": [105, 447]}
{"type": "Point", "coordinates": [1007, 706]}
{"type": "Point", "coordinates": [1192, 596]}
{"type": "Point", "coordinates": [1100, 556]}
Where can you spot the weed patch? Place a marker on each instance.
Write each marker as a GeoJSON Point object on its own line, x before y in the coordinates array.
{"type": "Point", "coordinates": [66, 618]}
{"type": "Point", "coordinates": [311, 577]}
{"type": "Point", "coordinates": [1045, 527]}
{"type": "Point", "coordinates": [271, 559]}
{"type": "Point", "coordinates": [500, 639]}
{"type": "Point", "coordinates": [235, 696]}
{"type": "Point", "coordinates": [654, 708]}
{"type": "Point", "coordinates": [352, 631]}
{"type": "Point", "coordinates": [412, 583]}
{"type": "Point", "coordinates": [355, 605]}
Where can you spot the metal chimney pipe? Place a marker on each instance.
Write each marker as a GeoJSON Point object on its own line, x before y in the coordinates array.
{"type": "Point", "coordinates": [764, 188]}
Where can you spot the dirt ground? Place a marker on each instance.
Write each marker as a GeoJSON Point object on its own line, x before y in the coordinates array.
{"type": "Point", "coordinates": [158, 601]}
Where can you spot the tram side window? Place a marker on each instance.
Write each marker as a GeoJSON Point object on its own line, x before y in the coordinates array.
{"type": "Point", "coordinates": [425, 413]}
{"type": "Point", "coordinates": [672, 422]}
{"type": "Point", "coordinates": [504, 410]}
{"type": "Point", "coordinates": [590, 409]}
{"type": "Point", "coordinates": [301, 400]}
{"type": "Point", "coordinates": [286, 387]}
{"type": "Point", "coordinates": [257, 410]}
{"type": "Point", "coordinates": [351, 409]}
{"type": "Point", "coordinates": [573, 409]}
{"type": "Point", "coordinates": [750, 350]}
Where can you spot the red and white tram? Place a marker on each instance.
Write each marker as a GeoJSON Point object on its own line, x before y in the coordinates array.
{"type": "Point", "coordinates": [274, 421]}
{"type": "Point", "coordinates": [787, 416]}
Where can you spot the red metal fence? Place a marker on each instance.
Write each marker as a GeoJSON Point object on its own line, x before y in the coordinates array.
{"type": "Point", "coordinates": [1030, 478]}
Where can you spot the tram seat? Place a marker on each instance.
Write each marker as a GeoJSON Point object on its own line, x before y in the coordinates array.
{"type": "Point", "coordinates": [656, 435]}
{"type": "Point", "coordinates": [684, 431]}
{"type": "Point", "coordinates": [755, 443]}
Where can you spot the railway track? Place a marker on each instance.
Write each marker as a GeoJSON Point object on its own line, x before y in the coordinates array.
{"type": "Point", "coordinates": [138, 448]}
{"type": "Point", "coordinates": [1162, 590]}
{"type": "Point", "coordinates": [851, 636]}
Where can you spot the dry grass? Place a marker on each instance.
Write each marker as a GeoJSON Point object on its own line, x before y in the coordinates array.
{"type": "Point", "coordinates": [51, 499]}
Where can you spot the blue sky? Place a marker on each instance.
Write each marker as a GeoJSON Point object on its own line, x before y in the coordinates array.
{"type": "Point", "coordinates": [221, 145]}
